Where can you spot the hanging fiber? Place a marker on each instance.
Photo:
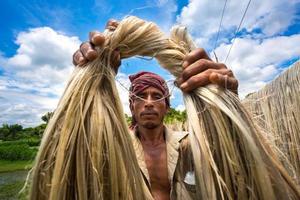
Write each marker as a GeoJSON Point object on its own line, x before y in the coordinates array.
{"type": "Point", "coordinates": [276, 108]}
{"type": "Point", "coordinates": [86, 150]}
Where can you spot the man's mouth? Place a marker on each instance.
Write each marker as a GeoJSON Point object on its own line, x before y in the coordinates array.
{"type": "Point", "coordinates": [149, 113]}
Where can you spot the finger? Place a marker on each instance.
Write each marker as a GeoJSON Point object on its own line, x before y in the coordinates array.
{"type": "Point", "coordinates": [195, 82]}
{"type": "Point", "coordinates": [224, 81]}
{"type": "Point", "coordinates": [194, 56]}
{"type": "Point", "coordinates": [213, 74]}
{"type": "Point", "coordinates": [78, 58]}
{"type": "Point", "coordinates": [96, 38]}
{"type": "Point", "coordinates": [201, 79]}
{"type": "Point", "coordinates": [200, 66]}
{"type": "Point", "coordinates": [88, 51]}
{"type": "Point", "coordinates": [112, 24]}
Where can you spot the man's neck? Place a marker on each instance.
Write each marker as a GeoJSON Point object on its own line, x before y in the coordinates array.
{"type": "Point", "coordinates": [153, 136]}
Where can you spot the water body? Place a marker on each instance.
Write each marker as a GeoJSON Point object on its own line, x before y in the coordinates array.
{"type": "Point", "coordinates": [11, 183]}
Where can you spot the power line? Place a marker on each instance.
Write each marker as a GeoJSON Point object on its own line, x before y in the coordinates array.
{"type": "Point", "coordinates": [237, 30]}
{"type": "Point", "coordinates": [223, 11]}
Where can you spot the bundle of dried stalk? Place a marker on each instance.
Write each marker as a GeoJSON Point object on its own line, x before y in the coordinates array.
{"type": "Point", "coordinates": [86, 151]}
{"type": "Point", "coordinates": [276, 108]}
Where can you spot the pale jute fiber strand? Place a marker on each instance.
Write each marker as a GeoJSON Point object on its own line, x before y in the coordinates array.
{"type": "Point", "coordinates": [276, 108]}
{"type": "Point", "coordinates": [86, 151]}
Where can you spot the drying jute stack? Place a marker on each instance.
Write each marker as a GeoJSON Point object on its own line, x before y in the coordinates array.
{"type": "Point", "coordinates": [276, 108]}
{"type": "Point", "coordinates": [86, 151]}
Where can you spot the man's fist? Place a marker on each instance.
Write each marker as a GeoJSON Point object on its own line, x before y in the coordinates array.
{"type": "Point", "coordinates": [200, 70]}
{"type": "Point", "coordinates": [87, 51]}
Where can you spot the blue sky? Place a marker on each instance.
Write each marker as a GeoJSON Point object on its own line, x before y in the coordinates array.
{"type": "Point", "coordinates": [39, 37]}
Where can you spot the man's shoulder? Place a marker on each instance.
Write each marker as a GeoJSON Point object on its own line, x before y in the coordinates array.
{"type": "Point", "coordinates": [180, 138]}
{"type": "Point", "coordinates": [180, 135]}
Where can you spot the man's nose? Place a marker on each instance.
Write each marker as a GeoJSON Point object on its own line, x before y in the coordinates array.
{"type": "Point", "coordinates": [149, 101]}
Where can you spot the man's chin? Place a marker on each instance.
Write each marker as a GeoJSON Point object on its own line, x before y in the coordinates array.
{"type": "Point", "coordinates": [150, 125]}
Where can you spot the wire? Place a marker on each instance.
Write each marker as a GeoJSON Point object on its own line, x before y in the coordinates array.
{"type": "Point", "coordinates": [223, 11]}
{"type": "Point", "coordinates": [237, 30]}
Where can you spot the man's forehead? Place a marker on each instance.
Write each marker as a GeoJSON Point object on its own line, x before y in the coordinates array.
{"type": "Point", "coordinates": [151, 89]}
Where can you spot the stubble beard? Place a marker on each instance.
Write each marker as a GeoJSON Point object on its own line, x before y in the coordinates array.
{"type": "Point", "coordinates": [150, 125]}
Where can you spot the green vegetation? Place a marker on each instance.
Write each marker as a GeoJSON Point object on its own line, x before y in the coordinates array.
{"type": "Point", "coordinates": [11, 190]}
{"type": "Point", "coordinates": [11, 184]}
{"type": "Point", "coordinates": [10, 166]}
{"type": "Point", "coordinates": [18, 144]}
{"type": "Point", "coordinates": [175, 116]}
{"type": "Point", "coordinates": [18, 147]}
{"type": "Point", "coordinates": [17, 132]}
{"type": "Point", "coordinates": [17, 150]}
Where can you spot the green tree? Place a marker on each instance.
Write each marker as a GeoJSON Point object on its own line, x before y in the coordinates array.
{"type": "Point", "coordinates": [4, 131]}
{"type": "Point", "coordinates": [128, 119]}
{"type": "Point", "coordinates": [174, 116]}
{"type": "Point", "coordinates": [14, 129]}
{"type": "Point", "coordinates": [46, 118]}
{"type": "Point", "coordinates": [10, 132]}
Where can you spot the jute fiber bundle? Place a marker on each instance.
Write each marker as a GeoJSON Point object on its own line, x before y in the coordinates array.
{"type": "Point", "coordinates": [86, 151]}
{"type": "Point", "coordinates": [276, 107]}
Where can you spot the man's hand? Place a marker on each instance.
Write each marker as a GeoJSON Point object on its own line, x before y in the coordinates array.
{"type": "Point", "coordinates": [87, 51]}
{"type": "Point", "coordinates": [200, 70]}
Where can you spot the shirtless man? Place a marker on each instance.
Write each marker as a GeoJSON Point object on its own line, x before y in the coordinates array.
{"type": "Point", "coordinates": [160, 151]}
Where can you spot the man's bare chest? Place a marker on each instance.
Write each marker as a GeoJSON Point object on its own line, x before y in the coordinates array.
{"type": "Point", "coordinates": [157, 164]}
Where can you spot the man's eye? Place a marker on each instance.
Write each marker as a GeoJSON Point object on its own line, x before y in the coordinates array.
{"type": "Point", "coordinates": [156, 97]}
{"type": "Point", "coordinates": [141, 96]}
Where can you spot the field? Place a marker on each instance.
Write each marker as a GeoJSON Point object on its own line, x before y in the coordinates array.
{"type": "Point", "coordinates": [16, 160]}
{"type": "Point", "coordinates": [11, 183]}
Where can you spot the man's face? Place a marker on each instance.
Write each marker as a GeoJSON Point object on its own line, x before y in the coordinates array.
{"type": "Point", "coordinates": [149, 108]}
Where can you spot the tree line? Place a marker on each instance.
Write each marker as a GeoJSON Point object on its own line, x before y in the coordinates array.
{"type": "Point", "coordinates": [16, 131]}
{"type": "Point", "coordinates": [19, 143]}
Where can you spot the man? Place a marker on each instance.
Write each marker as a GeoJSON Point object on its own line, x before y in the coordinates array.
{"type": "Point", "coordinates": [163, 156]}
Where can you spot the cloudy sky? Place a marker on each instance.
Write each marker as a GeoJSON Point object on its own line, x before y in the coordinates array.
{"type": "Point", "coordinates": [38, 38]}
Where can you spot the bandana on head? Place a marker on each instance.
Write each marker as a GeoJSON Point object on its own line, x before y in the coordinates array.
{"type": "Point", "coordinates": [143, 80]}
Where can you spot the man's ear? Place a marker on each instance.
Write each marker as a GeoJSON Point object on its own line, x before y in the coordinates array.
{"type": "Point", "coordinates": [131, 107]}
{"type": "Point", "coordinates": [168, 109]}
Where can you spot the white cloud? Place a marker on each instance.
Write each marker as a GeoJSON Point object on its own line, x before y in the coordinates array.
{"type": "Point", "coordinates": [43, 46]}
{"type": "Point", "coordinates": [272, 16]}
{"type": "Point", "coordinates": [34, 78]}
{"type": "Point", "coordinates": [180, 107]}
{"type": "Point", "coordinates": [257, 55]}
{"type": "Point", "coordinates": [24, 108]}
{"type": "Point", "coordinates": [255, 62]}
{"type": "Point", "coordinates": [123, 84]}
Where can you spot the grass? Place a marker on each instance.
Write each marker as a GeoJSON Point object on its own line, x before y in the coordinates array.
{"type": "Point", "coordinates": [12, 178]}
{"type": "Point", "coordinates": [11, 190]}
{"type": "Point", "coordinates": [10, 166]}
